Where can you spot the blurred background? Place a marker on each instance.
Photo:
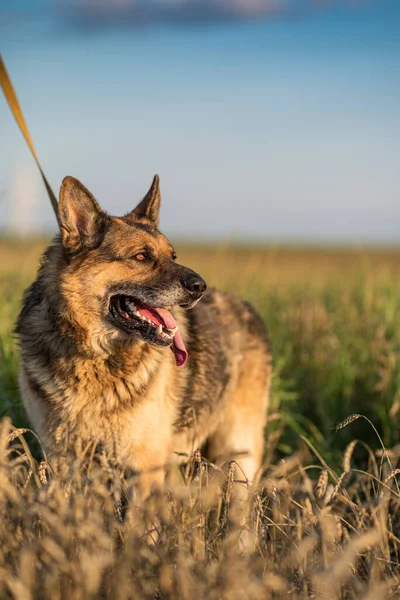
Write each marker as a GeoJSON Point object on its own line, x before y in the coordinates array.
{"type": "Point", "coordinates": [267, 120]}
{"type": "Point", "coordinates": [275, 128]}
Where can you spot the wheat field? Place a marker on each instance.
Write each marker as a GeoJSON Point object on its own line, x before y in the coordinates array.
{"type": "Point", "coordinates": [324, 520]}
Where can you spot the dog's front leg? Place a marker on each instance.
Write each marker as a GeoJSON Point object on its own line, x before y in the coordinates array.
{"type": "Point", "coordinates": [141, 511]}
{"type": "Point", "coordinates": [150, 479]}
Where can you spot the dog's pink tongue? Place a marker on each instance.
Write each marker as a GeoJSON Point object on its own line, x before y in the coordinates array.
{"type": "Point", "coordinates": [179, 350]}
{"type": "Point", "coordinates": [178, 347]}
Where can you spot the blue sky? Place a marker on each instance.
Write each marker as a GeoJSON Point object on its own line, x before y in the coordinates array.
{"type": "Point", "coordinates": [280, 127]}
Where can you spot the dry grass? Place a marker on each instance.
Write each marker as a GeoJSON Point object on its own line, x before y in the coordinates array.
{"type": "Point", "coordinates": [69, 531]}
{"type": "Point", "coordinates": [324, 521]}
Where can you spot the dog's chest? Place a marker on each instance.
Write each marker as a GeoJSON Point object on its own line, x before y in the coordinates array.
{"type": "Point", "coordinates": [125, 403]}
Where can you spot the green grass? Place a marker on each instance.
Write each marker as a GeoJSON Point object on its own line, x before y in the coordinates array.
{"type": "Point", "coordinates": [334, 323]}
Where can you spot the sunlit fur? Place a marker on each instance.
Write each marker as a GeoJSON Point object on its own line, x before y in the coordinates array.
{"type": "Point", "coordinates": [104, 385]}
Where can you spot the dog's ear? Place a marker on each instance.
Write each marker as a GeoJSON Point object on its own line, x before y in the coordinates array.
{"type": "Point", "coordinates": [81, 219]}
{"type": "Point", "coordinates": [149, 208]}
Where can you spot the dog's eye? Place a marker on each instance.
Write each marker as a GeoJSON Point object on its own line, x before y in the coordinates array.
{"type": "Point", "coordinates": [141, 257]}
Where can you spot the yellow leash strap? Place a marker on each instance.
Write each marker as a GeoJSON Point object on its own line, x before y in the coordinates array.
{"type": "Point", "coordinates": [13, 103]}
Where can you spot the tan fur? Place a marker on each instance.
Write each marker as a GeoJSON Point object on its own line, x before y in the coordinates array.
{"type": "Point", "coordinates": [105, 385]}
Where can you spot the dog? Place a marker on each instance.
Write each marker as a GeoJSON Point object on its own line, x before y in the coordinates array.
{"type": "Point", "coordinates": [125, 346]}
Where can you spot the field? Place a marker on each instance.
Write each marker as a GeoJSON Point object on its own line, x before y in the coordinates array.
{"type": "Point", "coordinates": [324, 522]}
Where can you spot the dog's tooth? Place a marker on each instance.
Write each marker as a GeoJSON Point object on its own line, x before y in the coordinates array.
{"type": "Point", "coordinates": [159, 329]}
{"type": "Point", "coordinates": [174, 330]}
{"type": "Point", "coordinates": [137, 313]}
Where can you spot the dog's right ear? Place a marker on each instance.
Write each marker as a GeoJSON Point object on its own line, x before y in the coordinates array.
{"type": "Point", "coordinates": [81, 219]}
{"type": "Point", "coordinates": [148, 210]}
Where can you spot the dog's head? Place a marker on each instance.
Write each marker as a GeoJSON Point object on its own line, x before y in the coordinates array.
{"type": "Point", "coordinates": [121, 274]}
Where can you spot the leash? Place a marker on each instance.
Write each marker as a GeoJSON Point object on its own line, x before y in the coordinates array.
{"type": "Point", "coordinates": [13, 103]}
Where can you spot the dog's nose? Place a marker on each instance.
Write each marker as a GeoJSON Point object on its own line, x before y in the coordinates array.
{"type": "Point", "coordinates": [194, 284]}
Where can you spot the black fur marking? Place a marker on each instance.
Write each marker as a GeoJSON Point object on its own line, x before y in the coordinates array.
{"type": "Point", "coordinates": [153, 231]}
{"type": "Point", "coordinates": [207, 363]}
{"type": "Point", "coordinates": [35, 386]}
{"type": "Point", "coordinates": [32, 297]}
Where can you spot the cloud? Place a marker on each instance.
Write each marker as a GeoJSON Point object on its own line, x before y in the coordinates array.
{"type": "Point", "coordinates": [92, 14]}
{"type": "Point", "coordinates": [103, 13]}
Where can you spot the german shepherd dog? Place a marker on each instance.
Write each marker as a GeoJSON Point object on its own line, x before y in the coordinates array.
{"type": "Point", "coordinates": [116, 346]}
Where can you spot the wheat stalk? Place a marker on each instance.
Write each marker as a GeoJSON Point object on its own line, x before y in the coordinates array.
{"type": "Point", "coordinates": [322, 484]}
{"type": "Point", "coordinates": [348, 453]}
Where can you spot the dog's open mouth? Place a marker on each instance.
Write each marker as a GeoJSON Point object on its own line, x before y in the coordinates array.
{"type": "Point", "coordinates": [154, 325]}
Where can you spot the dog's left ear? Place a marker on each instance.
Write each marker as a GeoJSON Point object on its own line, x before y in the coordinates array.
{"type": "Point", "coordinates": [149, 208]}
